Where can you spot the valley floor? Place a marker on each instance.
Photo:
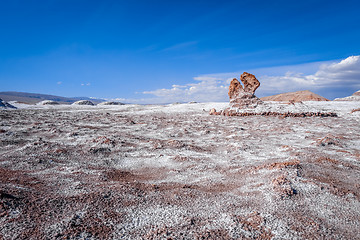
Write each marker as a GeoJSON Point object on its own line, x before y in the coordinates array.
{"type": "Point", "coordinates": [174, 171]}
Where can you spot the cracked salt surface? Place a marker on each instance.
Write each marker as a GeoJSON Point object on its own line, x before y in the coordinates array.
{"type": "Point", "coordinates": [154, 172]}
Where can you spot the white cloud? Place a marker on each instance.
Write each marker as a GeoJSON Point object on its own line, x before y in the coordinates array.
{"type": "Point", "coordinates": [59, 82]}
{"type": "Point", "coordinates": [85, 84]}
{"type": "Point", "coordinates": [214, 87]}
{"type": "Point", "coordinates": [345, 73]}
{"type": "Point", "coordinates": [207, 89]}
{"type": "Point", "coordinates": [206, 78]}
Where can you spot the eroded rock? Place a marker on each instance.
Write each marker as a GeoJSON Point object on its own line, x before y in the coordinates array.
{"type": "Point", "coordinates": [243, 96]}
{"type": "Point", "coordinates": [235, 88]}
{"type": "Point", "coordinates": [250, 82]}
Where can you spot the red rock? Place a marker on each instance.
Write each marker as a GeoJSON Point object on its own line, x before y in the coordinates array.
{"type": "Point", "coordinates": [355, 110]}
{"type": "Point", "coordinates": [234, 88]}
{"type": "Point", "coordinates": [250, 82]}
{"type": "Point", "coordinates": [212, 111]}
{"type": "Point", "coordinates": [243, 96]}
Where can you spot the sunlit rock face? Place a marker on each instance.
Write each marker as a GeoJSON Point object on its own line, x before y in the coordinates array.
{"type": "Point", "coordinates": [243, 96]}
{"type": "Point", "coordinates": [250, 82]}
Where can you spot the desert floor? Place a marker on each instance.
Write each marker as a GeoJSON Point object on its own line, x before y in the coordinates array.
{"type": "Point", "coordinates": [176, 172]}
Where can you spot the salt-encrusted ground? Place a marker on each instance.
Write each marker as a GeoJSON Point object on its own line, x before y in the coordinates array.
{"type": "Point", "coordinates": [158, 172]}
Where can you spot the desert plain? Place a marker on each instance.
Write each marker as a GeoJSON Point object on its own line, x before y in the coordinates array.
{"type": "Point", "coordinates": [176, 172]}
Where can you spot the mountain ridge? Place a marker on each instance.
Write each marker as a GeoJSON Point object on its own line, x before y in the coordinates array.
{"type": "Point", "coordinates": [33, 98]}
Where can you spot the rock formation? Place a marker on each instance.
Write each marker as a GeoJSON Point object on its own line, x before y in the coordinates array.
{"type": "Point", "coordinates": [84, 102]}
{"type": "Point", "coordinates": [234, 88]}
{"type": "Point", "coordinates": [243, 96]}
{"type": "Point", "coordinates": [243, 101]}
{"type": "Point", "coordinates": [250, 82]}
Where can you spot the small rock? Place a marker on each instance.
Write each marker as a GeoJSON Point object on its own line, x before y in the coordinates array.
{"type": "Point", "coordinates": [212, 111]}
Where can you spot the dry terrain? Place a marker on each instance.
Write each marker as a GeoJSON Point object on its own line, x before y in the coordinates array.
{"type": "Point", "coordinates": [295, 97]}
{"type": "Point", "coordinates": [176, 172]}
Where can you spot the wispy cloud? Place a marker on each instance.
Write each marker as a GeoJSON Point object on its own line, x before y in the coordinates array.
{"type": "Point", "coordinates": [180, 46]}
{"type": "Point", "coordinates": [85, 84]}
{"type": "Point", "coordinates": [59, 83]}
{"type": "Point", "coordinates": [214, 87]}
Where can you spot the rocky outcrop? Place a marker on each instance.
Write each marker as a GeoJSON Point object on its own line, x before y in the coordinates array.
{"type": "Point", "coordinates": [48, 102]}
{"type": "Point", "coordinates": [84, 102]}
{"type": "Point", "coordinates": [298, 96]}
{"type": "Point", "coordinates": [243, 96]}
{"type": "Point", "coordinates": [4, 104]}
{"type": "Point", "coordinates": [243, 101]}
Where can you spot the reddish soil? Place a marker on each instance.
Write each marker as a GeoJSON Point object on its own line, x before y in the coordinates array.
{"type": "Point", "coordinates": [137, 174]}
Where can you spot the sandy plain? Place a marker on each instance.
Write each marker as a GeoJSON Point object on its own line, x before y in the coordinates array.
{"type": "Point", "coordinates": [175, 172]}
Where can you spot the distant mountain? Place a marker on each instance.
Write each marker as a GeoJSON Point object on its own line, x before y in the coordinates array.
{"type": "Point", "coordinates": [354, 97]}
{"type": "Point", "coordinates": [33, 98]}
{"type": "Point", "coordinates": [298, 96]}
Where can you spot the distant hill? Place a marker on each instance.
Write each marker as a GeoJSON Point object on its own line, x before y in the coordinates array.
{"type": "Point", "coordinates": [354, 97]}
{"type": "Point", "coordinates": [33, 98]}
{"type": "Point", "coordinates": [298, 96]}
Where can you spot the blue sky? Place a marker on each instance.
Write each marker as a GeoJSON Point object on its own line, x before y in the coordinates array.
{"type": "Point", "coordinates": [164, 51]}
